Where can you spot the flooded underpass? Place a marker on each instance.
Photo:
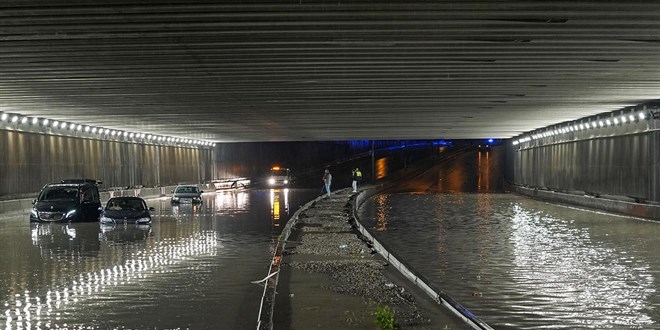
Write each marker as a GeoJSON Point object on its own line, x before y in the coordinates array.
{"type": "Point", "coordinates": [518, 263]}
{"type": "Point", "coordinates": [192, 268]}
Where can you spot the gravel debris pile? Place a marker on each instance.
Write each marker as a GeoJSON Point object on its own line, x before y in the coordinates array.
{"type": "Point", "coordinates": [325, 230]}
{"type": "Point", "coordinates": [365, 278]}
{"type": "Point", "coordinates": [341, 244]}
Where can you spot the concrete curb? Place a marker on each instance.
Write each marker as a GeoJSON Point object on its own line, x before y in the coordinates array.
{"type": "Point", "coordinates": [267, 305]}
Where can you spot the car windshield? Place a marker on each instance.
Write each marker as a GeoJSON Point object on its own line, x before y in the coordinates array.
{"type": "Point", "coordinates": [186, 190]}
{"type": "Point", "coordinates": [59, 193]}
{"type": "Point", "coordinates": [125, 205]}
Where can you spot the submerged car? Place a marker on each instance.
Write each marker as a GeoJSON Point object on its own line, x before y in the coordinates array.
{"type": "Point", "coordinates": [186, 194]}
{"type": "Point", "coordinates": [69, 201]}
{"type": "Point", "coordinates": [126, 210]}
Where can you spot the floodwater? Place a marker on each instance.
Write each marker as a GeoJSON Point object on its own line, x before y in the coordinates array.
{"type": "Point", "coordinates": [518, 263]}
{"type": "Point", "coordinates": [192, 268]}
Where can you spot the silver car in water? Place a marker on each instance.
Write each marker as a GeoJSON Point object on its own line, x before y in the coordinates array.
{"type": "Point", "coordinates": [187, 194]}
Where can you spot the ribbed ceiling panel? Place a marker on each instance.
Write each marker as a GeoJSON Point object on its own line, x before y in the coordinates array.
{"type": "Point", "coordinates": [317, 70]}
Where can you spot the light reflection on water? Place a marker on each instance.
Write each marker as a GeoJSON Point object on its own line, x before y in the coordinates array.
{"type": "Point", "coordinates": [192, 268]}
{"type": "Point", "coordinates": [47, 309]}
{"type": "Point", "coordinates": [523, 264]}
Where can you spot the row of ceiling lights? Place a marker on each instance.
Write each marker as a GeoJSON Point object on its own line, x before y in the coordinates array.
{"type": "Point", "coordinates": [574, 127]}
{"type": "Point", "coordinates": [100, 131]}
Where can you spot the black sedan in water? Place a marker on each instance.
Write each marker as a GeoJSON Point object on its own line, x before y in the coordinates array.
{"type": "Point", "coordinates": [126, 210]}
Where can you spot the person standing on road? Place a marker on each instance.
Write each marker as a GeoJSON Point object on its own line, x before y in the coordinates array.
{"type": "Point", "coordinates": [357, 179]}
{"type": "Point", "coordinates": [327, 179]}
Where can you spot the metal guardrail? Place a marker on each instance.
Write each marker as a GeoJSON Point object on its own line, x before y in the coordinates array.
{"type": "Point", "coordinates": [232, 183]}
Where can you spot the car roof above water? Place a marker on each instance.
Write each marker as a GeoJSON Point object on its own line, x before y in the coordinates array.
{"type": "Point", "coordinates": [68, 184]}
{"type": "Point", "coordinates": [127, 198]}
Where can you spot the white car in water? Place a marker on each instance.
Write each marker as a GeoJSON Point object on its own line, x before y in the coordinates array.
{"type": "Point", "coordinates": [279, 177]}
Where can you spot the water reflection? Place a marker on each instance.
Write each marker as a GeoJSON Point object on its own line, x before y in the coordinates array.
{"type": "Point", "coordinates": [231, 201]}
{"type": "Point", "coordinates": [186, 211]}
{"type": "Point", "coordinates": [124, 233]}
{"type": "Point", "coordinates": [523, 264]}
{"type": "Point", "coordinates": [382, 215]}
{"type": "Point", "coordinates": [483, 165]}
{"type": "Point", "coordinates": [563, 265]}
{"type": "Point", "coordinates": [279, 205]}
{"type": "Point", "coordinates": [47, 306]}
{"type": "Point", "coordinates": [66, 240]}
{"type": "Point", "coordinates": [201, 256]}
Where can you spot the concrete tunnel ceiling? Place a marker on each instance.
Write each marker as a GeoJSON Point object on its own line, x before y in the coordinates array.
{"type": "Point", "coordinates": [238, 71]}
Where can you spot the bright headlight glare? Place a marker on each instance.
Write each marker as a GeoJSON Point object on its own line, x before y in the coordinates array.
{"type": "Point", "coordinates": [143, 220]}
{"type": "Point", "coordinates": [70, 213]}
{"type": "Point", "coordinates": [105, 219]}
{"type": "Point", "coordinates": [271, 180]}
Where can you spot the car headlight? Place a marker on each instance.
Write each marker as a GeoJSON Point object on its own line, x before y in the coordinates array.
{"type": "Point", "coordinates": [175, 198]}
{"type": "Point", "coordinates": [70, 213]}
{"type": "Point", "coordinates": [271, 181]}
{"type": "Point", "coordinates": [34, 213]}
{"type": "Point", "coordinates": [286, 181]}
{"type": "Point", "coordinates": [143, 220]}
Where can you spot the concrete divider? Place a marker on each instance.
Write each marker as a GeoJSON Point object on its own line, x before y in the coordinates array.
{"type": "Point", "coordinates": [648, 211]}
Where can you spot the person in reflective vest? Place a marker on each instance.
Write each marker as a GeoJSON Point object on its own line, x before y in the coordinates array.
{"type": "Point", "coordinates": [357, 179]}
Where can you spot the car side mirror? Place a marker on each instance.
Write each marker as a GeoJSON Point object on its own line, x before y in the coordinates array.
{"type": "Point", "coordinates": [34, 201]}
{"type": "Point", "coordinates": [151, 208]}
{"type": "Point", "coordinates": [172, 191]}
{"type": "Point", "coordinates": [201, 191]}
